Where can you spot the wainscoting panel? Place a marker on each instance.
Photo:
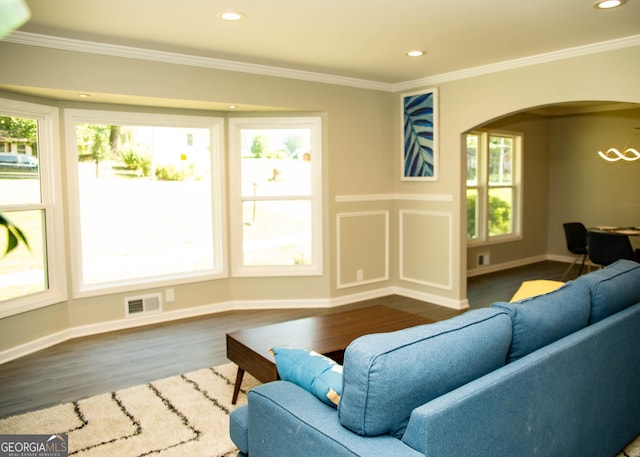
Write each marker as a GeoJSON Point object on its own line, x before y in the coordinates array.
{"type": "Point", "coordinates": [426, 248]}
{"type": "Point", "coordinates": [363, 248]}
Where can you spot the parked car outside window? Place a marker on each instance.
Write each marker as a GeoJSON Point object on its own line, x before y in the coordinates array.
{"type": "Point", "coordinates": [21, 163]}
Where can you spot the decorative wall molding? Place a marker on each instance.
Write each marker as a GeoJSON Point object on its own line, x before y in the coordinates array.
{"type": "Point", "coordinates": [392, 197]}
{"type": "Point", "coordinates": [424, 197]}
{"type": "Point", "coordinates": [33, 39]}
{"type": "Point", "coordinates": [385, 248]}
{"type": "Point", "coordinates": [446, 240]}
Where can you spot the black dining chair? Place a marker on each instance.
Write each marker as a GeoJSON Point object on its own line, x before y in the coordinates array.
{"type": "Point", "coordinates": [576, 235]}
{"type": "Point", "coordinates": [605, 248]}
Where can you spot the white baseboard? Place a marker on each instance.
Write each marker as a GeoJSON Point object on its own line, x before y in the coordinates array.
{"type": "Point", "coordinates": [122, 324]}
{"type": "Point", "coordinates": [435, 299]}
{"type": "Point", "coordinates": [507, 265]}
{"type": "Point", "coordinates": [157, 318]}
{"type": "Point", "coordinates": [33, 346]}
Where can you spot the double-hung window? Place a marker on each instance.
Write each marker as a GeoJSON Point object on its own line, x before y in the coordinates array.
{"type": "Point", "coordinates": [147, 199]}
{"type": "Point", "coordinates": [494, 190]}
{"type": "Point", "coordinates": [276, 196]}
{"type": "Point", "coordinates": [31, 275]}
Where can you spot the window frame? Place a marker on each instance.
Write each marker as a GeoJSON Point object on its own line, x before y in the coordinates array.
{"type": "Point", "coordinates": [483, 186]}
{"type": "Point", "coordinates": [218, 201]}
{"type": "Point", "coordinates": [235, 125]}
{"type": "Point", "coordinates": [49, 160]}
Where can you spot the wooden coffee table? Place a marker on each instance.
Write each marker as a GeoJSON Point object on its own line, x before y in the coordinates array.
{"type": "Point", "coordinates": [328, 334]}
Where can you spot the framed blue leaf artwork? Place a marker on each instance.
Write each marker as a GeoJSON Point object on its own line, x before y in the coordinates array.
{"type": "Point", "coordinates": [420, 136]}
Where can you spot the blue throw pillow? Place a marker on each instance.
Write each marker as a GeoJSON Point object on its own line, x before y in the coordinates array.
{"type": "Point", "coordinates": [314, 372]}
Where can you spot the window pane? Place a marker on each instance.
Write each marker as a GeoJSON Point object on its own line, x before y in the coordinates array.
{"type": "Point", "coordinates": [276, 232]}
{"type": "Point", "coordinates": [500, 160]}
{"type": "Point", "coordinates": [472, 160]}
{"type": "Point", "coordinates": [22, 271]}
{"type": "Point", "coordinates": [145, 201]}
{"type": "Point", "coordinates": [19, 168]}
{"type": "Point", "coordinates": [500, 211]}
{"type": "Point", "coordinates": [472, 214]}
{"type": "Point", "coordinates": [276, 162]}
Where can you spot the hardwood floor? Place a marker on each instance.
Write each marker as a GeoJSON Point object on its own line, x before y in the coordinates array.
{"type": "Point", "coordinates": [92, 365]}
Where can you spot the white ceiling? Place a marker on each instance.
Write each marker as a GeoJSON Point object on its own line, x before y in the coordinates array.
{"type": "Point", "coordinates": [353, 42]}
{"type": "Point", "coordinates": [364, 39]}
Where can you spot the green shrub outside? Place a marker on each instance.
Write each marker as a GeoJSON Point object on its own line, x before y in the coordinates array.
{"type": "Point", "coordinates": [499, 216]}
{"type": "Point", "coordinates": [141, 163]}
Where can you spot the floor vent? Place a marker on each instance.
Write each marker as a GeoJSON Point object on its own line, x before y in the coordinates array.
{"type": "Point", "coordinates": [135, 306]}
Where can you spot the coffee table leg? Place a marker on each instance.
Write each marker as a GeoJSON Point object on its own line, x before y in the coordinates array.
{"type": "Point", "coordinates": [236, 389]}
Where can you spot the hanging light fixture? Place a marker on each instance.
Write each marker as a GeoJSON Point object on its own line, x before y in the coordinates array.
{"type": "Point", "coordinates": [628, 154]}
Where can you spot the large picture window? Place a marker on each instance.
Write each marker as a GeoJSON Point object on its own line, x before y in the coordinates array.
{"type": "Point", "coordinates": [31, 274]}
{"type": "Point", "coordinates": [494, 188]}
{"type": "Point", "coordinates": [148, 199]}
{"type": "Point", "coordinates": [276, 196]}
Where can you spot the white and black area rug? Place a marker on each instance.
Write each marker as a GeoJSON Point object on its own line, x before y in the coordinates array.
{"type": "Point", "coordinates": [632, 450]}
{"type": "Point", "coordinates": [186, 415]}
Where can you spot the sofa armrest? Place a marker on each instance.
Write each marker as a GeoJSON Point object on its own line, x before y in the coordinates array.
{"type": "Point", "coordinates": [284, 419]}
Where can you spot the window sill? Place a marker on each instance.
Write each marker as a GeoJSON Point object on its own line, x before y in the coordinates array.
{"type": "Point", "coordinates": [495, 240]}
{"type": "Point", "coordinates": [31, 303]}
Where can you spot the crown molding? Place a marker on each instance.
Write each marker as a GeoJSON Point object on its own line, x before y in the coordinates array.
{"type": "Point", "coordinates": [69, 44]}
{"type": "Point", "coordinates": [92, 47]}
{"type": "Point", "coordinates": [594, 48]}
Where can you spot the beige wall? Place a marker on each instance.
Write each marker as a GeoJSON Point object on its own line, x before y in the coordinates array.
{"type": "Point", "coordinates": [467, 103]}
{"type": "Point", "coordinates": [585, 188]}
{"type": "Point", "coordinates": [535, 188]}
{"type": "Point", "coordinates": [356, 144]}
{"type": "Point", "coordinates": [361, 172]}
{"type": "Point", "coordinates": [565, 181]}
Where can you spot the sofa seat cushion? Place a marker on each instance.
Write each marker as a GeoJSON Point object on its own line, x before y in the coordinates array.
{"type": "Point", "coordinates": [387, 375]}
{"type": "Point", "coordinates": [613, 288]}
{"type": "Point", "coordinates": [239, 428]}
{"type": "Point", "coordinates": [543, 319]}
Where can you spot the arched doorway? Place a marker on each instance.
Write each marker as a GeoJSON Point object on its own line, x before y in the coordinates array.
{"type": "Point", "coordinates": [564, 179]}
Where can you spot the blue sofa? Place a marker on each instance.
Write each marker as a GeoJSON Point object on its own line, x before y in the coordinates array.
{"type": "Point", "coordinates": [552, 375]}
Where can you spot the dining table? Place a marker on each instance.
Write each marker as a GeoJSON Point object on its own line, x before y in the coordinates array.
{"type": "Point", "coordinates": [633, 232]}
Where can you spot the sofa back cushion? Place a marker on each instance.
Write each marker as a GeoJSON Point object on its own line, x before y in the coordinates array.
{"type": "Point", "coordinates": [387, 375]}
{"type": "Point", "coordinates": [543, 319]}
{"type": "Point", "coordinates": [613, 288]}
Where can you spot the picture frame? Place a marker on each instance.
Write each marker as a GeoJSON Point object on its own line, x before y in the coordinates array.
{"type": "Point", "coordinates": [419, 119]}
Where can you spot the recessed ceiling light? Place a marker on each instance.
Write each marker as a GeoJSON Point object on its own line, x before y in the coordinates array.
{"type": "Point", "coordinates": [231, 16]}
{"type": "Point", "coordinates": [608, 4]}
{"type": "Point", "coordinates": [415, 53]}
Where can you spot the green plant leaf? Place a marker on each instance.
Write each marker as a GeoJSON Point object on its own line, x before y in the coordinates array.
{"type": "Point", "coordinates": [14, 235]}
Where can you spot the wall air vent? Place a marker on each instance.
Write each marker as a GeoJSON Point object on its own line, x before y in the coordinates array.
{"type": "Point", "coordinates": [145, 304]}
